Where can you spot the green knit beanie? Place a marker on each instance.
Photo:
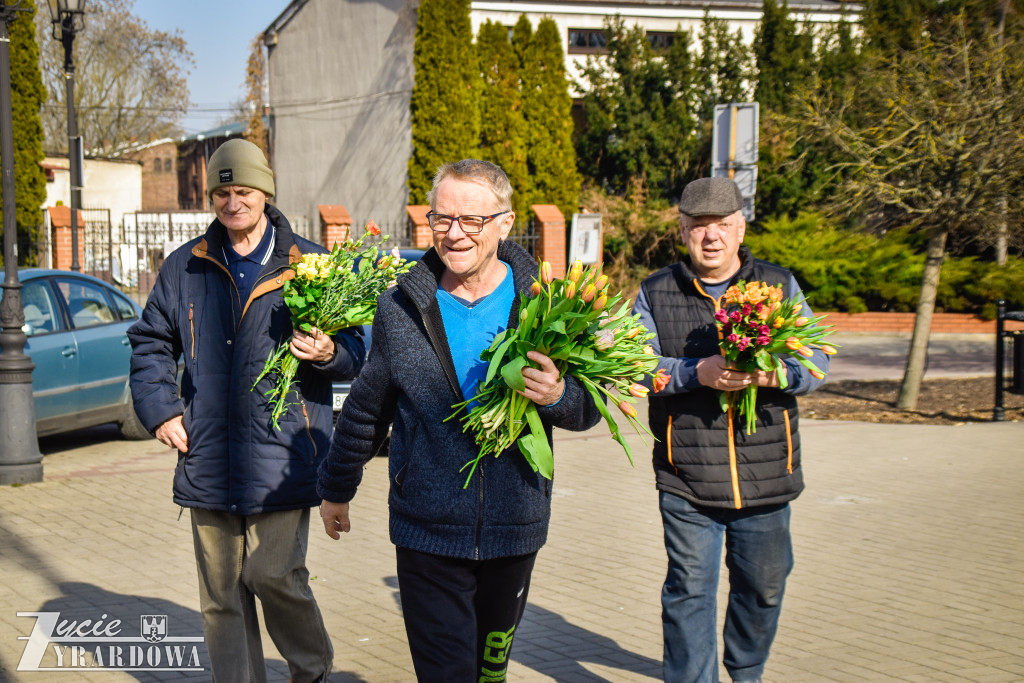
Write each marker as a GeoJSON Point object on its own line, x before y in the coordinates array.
{"type": "Point", "coordinates": [239, 162]}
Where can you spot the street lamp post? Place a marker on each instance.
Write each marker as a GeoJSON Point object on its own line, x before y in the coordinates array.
{"type": "Point", "coordinates": [20, 460]}
{"type": "Point", "coordinates": [68, 18]}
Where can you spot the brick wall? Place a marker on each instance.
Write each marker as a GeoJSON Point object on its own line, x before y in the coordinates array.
{"type": "Point", "coordinates": [159, 186]}
{"type": "Point", "coordinates": [60, 222]}
{"type": "Point", "coordinates": [422, 238]}
{"type": "Point", "coordinates": [550, 226]}
{"type": "Point", "coordinates": [335, 224]}
{"type": "Point", "coordinates": [960, 323]}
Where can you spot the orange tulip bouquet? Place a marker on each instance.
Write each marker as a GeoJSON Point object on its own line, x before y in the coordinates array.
{"type": "Point", "coordinates": [757, 327]}
{"type": "Point", "coordinates": [570, 321]}
{"type": "Point", "coordinates": [329, 292]}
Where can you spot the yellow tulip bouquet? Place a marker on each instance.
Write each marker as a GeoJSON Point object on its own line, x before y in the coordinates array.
{"type": "Point", "coordinates": [757, 329]}
{"type": "Point", "coordinates": [329, 292]}
{"type": "Point", "coordinates": [567, 320]}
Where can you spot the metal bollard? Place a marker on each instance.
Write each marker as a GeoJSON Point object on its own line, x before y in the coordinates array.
{"type": "Point", "coordinates": [1017, 386]}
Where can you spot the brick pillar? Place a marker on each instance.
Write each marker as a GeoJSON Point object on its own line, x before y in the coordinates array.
{"type": "Point", "coordinates": [335, 224]}
{"type": "Point", "coordinates": [550, 228]}
{"type": "Point", "coordinates": [421, 234]}
{"type": "Point", "coordinates": [60, 224]}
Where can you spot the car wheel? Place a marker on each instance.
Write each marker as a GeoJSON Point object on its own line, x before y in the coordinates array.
{"type": "Point", "coordinates": [131, 428]}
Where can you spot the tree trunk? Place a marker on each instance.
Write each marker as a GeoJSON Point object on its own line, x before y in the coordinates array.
{"type": "Point", "coordinates": [914, 373]}
{"type": "Point", "coordinates": [1001, 232]}
{"type": "Point", "coordinates": [1001, 229]}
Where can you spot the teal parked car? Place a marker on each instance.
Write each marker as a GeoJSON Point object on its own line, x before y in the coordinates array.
{"type": "Point", "coordinates": [76, 327]}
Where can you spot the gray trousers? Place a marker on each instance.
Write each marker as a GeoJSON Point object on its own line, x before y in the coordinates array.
{"type": "Point", "coordinates": [264, 556]}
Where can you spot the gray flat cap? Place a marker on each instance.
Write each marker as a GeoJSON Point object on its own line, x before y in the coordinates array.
{"type": "Point", "coordinates": [711, 197]}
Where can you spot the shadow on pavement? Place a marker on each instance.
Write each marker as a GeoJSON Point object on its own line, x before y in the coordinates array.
{"type": "Point", "coordinates": [79, 439]}
{"type": "Point", "coordinates": [578, 645]}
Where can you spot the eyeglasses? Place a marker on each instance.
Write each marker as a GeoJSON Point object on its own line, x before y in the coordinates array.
{"type": "Point", "coordinates": [471, 225]}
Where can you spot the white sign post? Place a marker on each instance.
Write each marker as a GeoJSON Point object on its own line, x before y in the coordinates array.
{"type": "Point", "coordinates": [734, 148]}
{"type": "Point", "coordinates": [585, 238]}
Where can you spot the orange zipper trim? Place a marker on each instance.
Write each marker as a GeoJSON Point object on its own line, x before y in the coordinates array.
{"type": "Point", "coordinates": [268, 286]}
{"type": "Point", "coordinates": [732, 463]}
{"type": "Point", "coordinates": [668, 444]}
{"type": "Point", "coordinates": [789, 443]}
{"type": "Point", "coordinates": [192, 331]}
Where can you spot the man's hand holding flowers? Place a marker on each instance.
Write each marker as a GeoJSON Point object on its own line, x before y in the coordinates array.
{"type": "Point", "coordinates": [717, 373]}
{"type": "Point", "coordinates": [316, 345]}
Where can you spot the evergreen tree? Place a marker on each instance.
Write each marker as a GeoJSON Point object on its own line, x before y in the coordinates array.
{"type": "Point", "coordinates": [445, 107]}
{"type": "Point", "coordinates": [522, 34]}
{"type": "Point", "coordinates": [783, 56]}
{"type": "Point", "coordinates": [785, 63]}
{"type": "Point", "coordinates": [551, 156]}
{"type": "Point", "coordinates": [839, 57]}
{"type": "Point", "coordinates": [503, 129]}
{"type": "Point", "coordinates": [891, 26]}
{"type": "Point", "coordinates": [640, 127]}
{"type": "Point", "coordinates": [723, 68]}
{"type": "Point", "coordinates": [27, 95]}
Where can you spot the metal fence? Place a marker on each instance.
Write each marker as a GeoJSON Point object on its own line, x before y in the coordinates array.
{"type": "Point", "coordinates": [96, 237]}
{"type": "Point", "coordinates": [130, 255]}
{"type": "Point", "coordinates": [525, 233]}
{"type": "Point", "coordinates": [147, 238]}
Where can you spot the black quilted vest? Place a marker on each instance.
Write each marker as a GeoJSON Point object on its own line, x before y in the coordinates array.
{"type": "Point", "coordinates": [704, 454]}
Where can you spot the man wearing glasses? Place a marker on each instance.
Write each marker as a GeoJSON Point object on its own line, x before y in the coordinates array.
{"type": "Point", "coordinates": [464, 555]}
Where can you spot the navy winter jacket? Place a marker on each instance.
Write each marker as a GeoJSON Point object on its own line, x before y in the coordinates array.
{"type": "Point", "coordinates": [410, 380]}
{"type": "Point", "coordinates": [237, 461]}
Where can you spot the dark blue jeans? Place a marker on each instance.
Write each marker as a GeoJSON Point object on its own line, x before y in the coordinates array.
{"type": "Point", "coordinates": [758, 555]}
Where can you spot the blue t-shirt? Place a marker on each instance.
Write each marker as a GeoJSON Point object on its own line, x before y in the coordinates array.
{"type": "Point", "coordinates": [472, 326]}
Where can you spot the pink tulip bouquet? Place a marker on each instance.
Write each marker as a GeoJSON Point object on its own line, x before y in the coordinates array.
{"type": "Point", "coordinates": [568, 320]}
{"type": "Point", "coordinates": [756, 329]}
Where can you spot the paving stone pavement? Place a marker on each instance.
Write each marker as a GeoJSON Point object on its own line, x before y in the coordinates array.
{"type": "Point", "coordinates": [908, 541]}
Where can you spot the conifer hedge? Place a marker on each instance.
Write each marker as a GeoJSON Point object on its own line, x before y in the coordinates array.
{"type": "Point", "coordinates": [445, 105]}
{"type": "Point", "coordinates": [27, 95]}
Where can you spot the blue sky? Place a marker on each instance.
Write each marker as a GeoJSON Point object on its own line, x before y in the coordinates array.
{"type": "Point", "coordinates": [218, 33]}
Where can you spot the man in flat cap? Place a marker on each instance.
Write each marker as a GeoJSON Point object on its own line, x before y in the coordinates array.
{"type": "Point", "coordinates": [717, 483]}
{"type": "Point", "coordinates": [217, 307]}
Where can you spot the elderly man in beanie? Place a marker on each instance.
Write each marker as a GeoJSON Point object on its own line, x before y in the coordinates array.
{"type": "Point", "coordinates": [217, 306]}
{"type": "Point", "coordinates": [716, 482]}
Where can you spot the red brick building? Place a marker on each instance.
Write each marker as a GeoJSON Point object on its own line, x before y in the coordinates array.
{"type": "Point", "coordinates": [159, 174]}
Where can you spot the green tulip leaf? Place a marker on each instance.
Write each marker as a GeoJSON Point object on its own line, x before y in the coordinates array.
{"type": "Point", "coordinates": [512, 372]}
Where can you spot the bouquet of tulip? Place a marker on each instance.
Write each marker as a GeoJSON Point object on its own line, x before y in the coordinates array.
{"type": "Point", "coordinates": [329, 292]}
{"type": "Point", "coordinates": [567, 320]}
{"type": "Point", "coordinates": [757, 331]}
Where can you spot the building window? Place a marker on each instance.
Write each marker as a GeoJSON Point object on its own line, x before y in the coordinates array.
{"type": "Point", "coordinates": [167, 165]}
{"type": "Point", "coordinates": [157, 165]}
{"type": "Point", "coordinates": [587, 41]}
{"type": "Point", "coordinates": [660, 40]}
